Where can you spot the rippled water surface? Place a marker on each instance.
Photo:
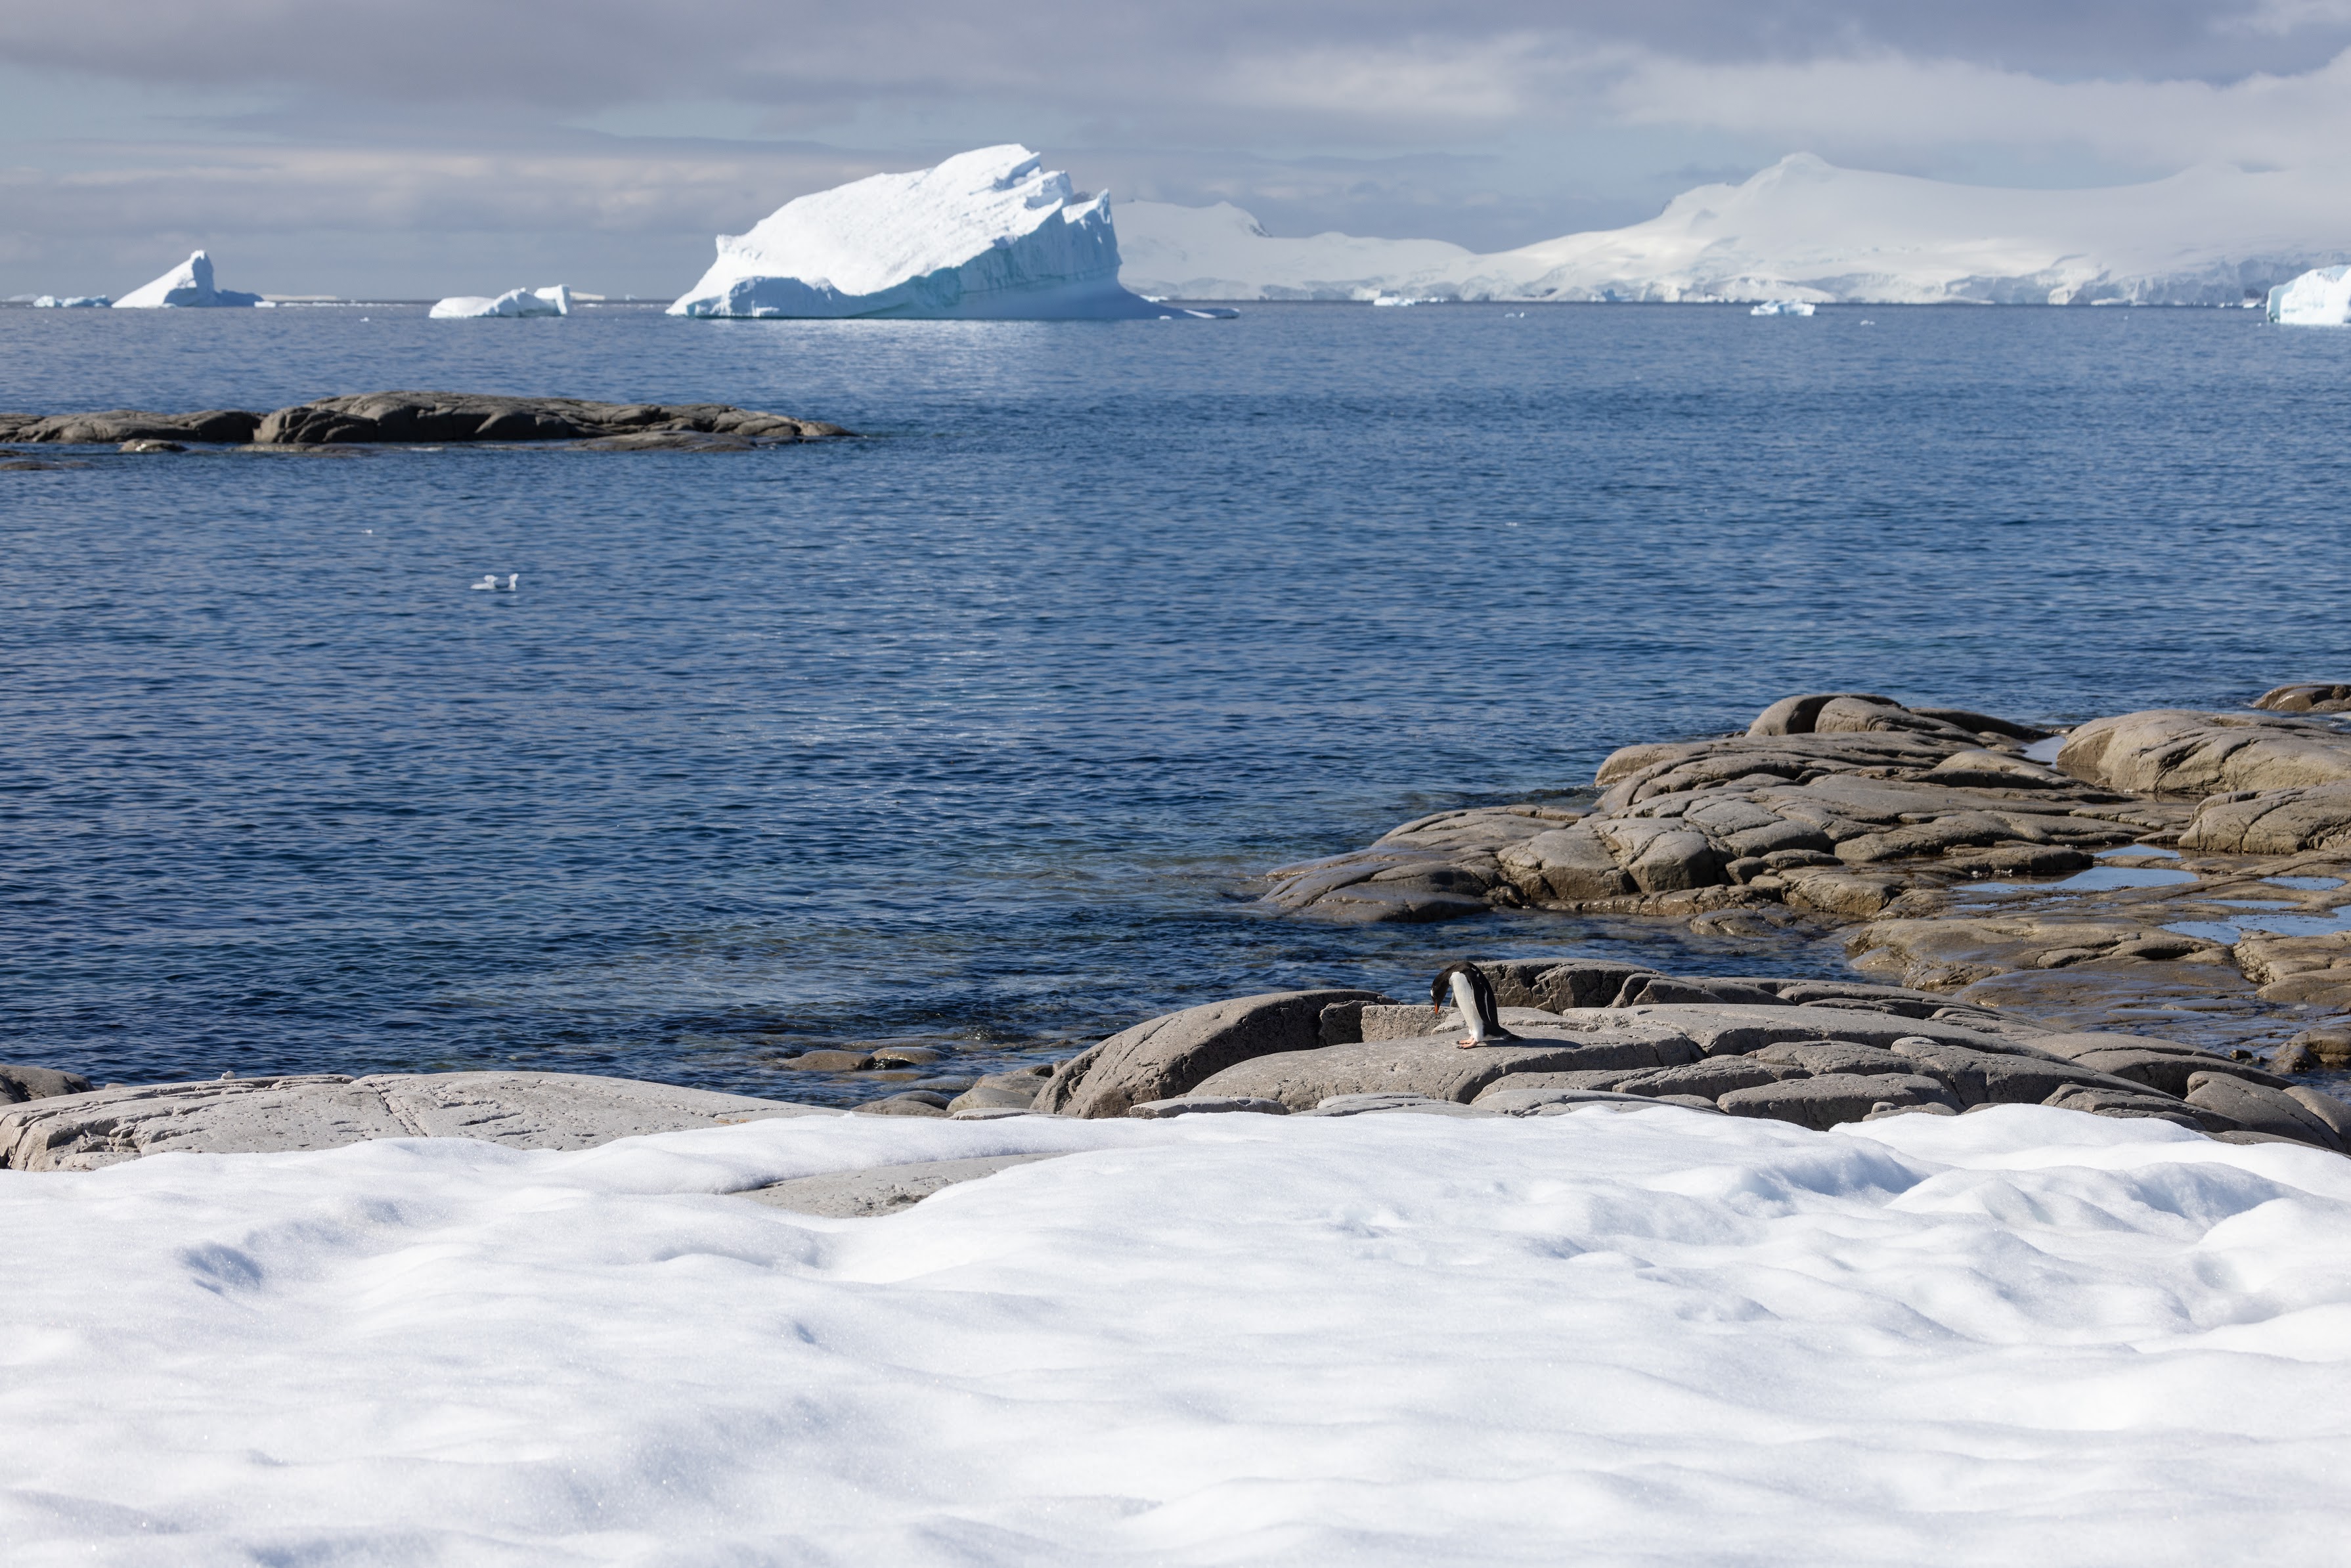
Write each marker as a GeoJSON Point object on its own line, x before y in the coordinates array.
{"type": "Point", "coordinates": [975, 727]}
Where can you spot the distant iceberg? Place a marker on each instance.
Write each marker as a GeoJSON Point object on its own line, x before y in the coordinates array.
{"type": "Point", "coordinates": [2319, 298]}
{"type": "Point", "coordinates": [1784, 307]}
{"type": "Point", "coordinates": [70, 302]}
{"type": "Point", "coordinates": [1805, 230]}
{"type": "Point", "coordinates": [186, 285]}
{"type": "Point", "coordinates": [991, 235]}
{"type": "Point", "coordinates": [554, 301]}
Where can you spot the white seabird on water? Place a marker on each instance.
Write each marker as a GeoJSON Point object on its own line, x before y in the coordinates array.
{"type": "Point", "coordinates": [490, 580]}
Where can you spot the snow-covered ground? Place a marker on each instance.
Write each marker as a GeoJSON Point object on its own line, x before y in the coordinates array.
{"type": "Point", "coordinates": [188, 285]}
{"type": "Point", "coordinates": [2022, 1335]}
{"type": "Point", "coordinates": [987, 233]}
{"type": "Point", "coordinates": [1804, 229]}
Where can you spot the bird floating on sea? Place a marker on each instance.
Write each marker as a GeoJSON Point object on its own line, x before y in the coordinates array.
{"type": "Point", "coordinates": [490, 580]}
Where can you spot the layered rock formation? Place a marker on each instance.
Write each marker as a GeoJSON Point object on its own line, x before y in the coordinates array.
{"type": "Point", "coordinates": [429, 418]}
{"type": "Point", "coordinates": [1813, 1053]}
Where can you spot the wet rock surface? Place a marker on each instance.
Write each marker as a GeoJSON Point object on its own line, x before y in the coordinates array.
{"type": "Point", "coordinates": [430, 418]}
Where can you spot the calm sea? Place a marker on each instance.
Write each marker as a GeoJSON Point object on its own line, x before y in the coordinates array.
{"type": "Point", "coordinates": [975, 728]}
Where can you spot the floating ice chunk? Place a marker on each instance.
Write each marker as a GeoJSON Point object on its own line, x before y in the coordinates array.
{"type": "Point", "coordinates": [1784, 307]}
{"type": "Point", "coordinates": [987, 234]}
{"type": "Point", "coordinates": [69, 301]}
{"type": "Point", "coordinates": [188, 284]}
{"type": "Point", "coordinates": [2317, 298]}
{"type": "Point", "coordinates": [554, 301]}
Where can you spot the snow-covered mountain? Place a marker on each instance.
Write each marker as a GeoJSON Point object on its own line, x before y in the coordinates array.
{"type": "Point", "coordinates": [1804, 229]}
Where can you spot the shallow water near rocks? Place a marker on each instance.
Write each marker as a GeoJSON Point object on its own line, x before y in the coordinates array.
{"type": "Point", "coordinates": [975, 728]}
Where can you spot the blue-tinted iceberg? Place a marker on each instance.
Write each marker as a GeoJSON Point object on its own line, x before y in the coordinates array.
{"type": "Point", "coordinates": [188, 284]}
{"type": "Point", "coordinates": [987, 234]}
{"type": "Point", "coordinates": [2317, 299]}
{"type": "Point", "coordinates": [70, 301]}
{"type": "Point", "coordinates": [554, 301]}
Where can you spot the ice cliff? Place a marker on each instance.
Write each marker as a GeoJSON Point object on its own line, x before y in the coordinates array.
{"type": "Point", "coordinates": [991, 233]}
{"type": "Point", "coordinates": [1805, 230]}
{"type": "Point", "coordinates": [554, 301]}
{"type": "Point", "coordinates": [2317, 299]}
{"type": "Point", "coordinates": [188, 284]}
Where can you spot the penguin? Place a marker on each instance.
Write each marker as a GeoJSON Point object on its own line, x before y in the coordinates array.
{"type": "Point", "coordinates": [1473, 995]}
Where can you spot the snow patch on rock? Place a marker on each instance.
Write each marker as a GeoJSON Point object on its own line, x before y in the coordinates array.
{"type": "Point", "coordinates": [1805, 231]}
{"type": "Point", "coordinates": [554, 301]}
{"type": "Point", "coordinates": [188, 284]}
{"type": "Point", "coordinates": [987, 234]}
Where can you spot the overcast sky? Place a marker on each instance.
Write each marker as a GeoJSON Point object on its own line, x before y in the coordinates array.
{"type": "Point", "coordinates": [434, 147]}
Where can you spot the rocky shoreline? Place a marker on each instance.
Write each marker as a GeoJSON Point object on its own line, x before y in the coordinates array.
{"type": "Point", "coordinates": [2148, 916]}
{"type": "Point", "coordinates": [426, 418]}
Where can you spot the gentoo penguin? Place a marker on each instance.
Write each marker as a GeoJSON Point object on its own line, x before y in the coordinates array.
{"type": "Point", "coordinates": [1473, 994]}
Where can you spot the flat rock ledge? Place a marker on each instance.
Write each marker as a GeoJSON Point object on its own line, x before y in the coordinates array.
{"type": "Point", "coordinates": [1818, 1053]}
{"type": "Point", "coordinates": [91, 1128]}
{"type": "Point", "coordinates": [1832, 807]}
{"type": "Point", "coordinates": [428, 418]}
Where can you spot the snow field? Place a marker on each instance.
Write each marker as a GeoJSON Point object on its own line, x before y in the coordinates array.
{"type": "Point", "coordinates": [1649, 1337]}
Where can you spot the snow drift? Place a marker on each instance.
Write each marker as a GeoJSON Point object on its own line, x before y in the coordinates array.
{"type": "Point", "coordinates": [1805, 230]}
{"type": "Point", "coordinates": [991, 233]}
{"type": "Point", "coordinates": [554, 301]}
{"type": "Point", "coordinates": [1657, 1336]}
{"type": "Point", "coordinates": [188, 284]}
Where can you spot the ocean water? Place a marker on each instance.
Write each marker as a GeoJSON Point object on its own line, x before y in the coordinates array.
{"type": "Point", "coordinates": [976, 728]}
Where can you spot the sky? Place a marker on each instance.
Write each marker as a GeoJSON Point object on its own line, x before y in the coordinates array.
{"type": "Point", "coordinates": [434, 147]}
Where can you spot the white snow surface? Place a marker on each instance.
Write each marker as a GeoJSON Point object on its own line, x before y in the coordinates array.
{"type": "Point", "coordinates": [987, 233]}
{"type": "Point", "coordinates": [2022, 1335]}
{"type": "Point", "coordinates": [1805, 230]}
{"type": "Point", "coordinates": [553, 302]}
{"type": "Point", "coordinates": [188, 284]}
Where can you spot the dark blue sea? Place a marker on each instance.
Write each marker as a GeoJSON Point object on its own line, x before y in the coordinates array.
{"type": "Point", "coordinates": [975, 728]}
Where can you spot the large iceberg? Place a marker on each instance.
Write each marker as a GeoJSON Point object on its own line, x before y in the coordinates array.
{"type": "Point", "coordinates": [188, 284]}
{"type": "Point", "coordinates": [1807, 231]}
{"type": "Point", "coordinates": [554, 301]}
{"type": "Point", "coordinates": [987, 234]}
{"type": "Point", "coordinates": [70, 302]}
{"type": "Point", "coordinates": [2317, 298]}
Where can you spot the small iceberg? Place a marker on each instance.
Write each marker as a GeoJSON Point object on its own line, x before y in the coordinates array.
{"type": "Point", "coordinates": [554, 301]}
{"type": "Point", "coordinates": [188, 285]}
{"type": "Point", "coordinates": [1784, 307]}
{"type": "Point", "coordinates": [986, 235]}
{"type": "Point", "coordinates": [2317, 298]}
{"type": "Point", "coordinates": [71, 302]}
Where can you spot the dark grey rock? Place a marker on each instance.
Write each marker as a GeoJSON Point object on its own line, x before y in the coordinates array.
{"type": "Point", "coordinates": [2262, 1110]}
{"type": "Point", "coordinates": [2101, 1102]}
{"type": "Point", "coordinates": [831, 1062]}
{"type": "Point", "coordinates": [18, 1084]}
{"type": "Point", "coordinates": [1709, 1079]}
{"type": "Point", "coordinates": [1014, 1090]}
{"type": "Point", "coordinates": [1372, 1105]}
{"type": "Point", "coordinates": [919, 1103]}
{"type": "Point", "coordinates": [1177, 1053]}
{"type": "Point", "coordinates": [1824, 1102]}
{"type": "Point", "coordinates": [1432, 1065]}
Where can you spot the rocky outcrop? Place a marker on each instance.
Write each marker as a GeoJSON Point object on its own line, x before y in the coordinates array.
{"type": "Point", "coordinates": [2314, 969]}
{"type": "Point", "coordinates": [18, 1084]}
{"type": "Point", "coordinates": [325, 1111]}
{"type": "Point", "coordinates": [433, 418]}
{"type": "Point", "coordinates": [2308, 696]}
{"type": "Point", "coordinates": [2273, 822]}
{"type": "Point", "coordinates": [2180, 752]}
{"type": "Point", "coordinates": [1173, 1055]}
{"type": "Point", "coordinates": [213, 426]}
{"type": "Point", "coordinates": [1827, 806]}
